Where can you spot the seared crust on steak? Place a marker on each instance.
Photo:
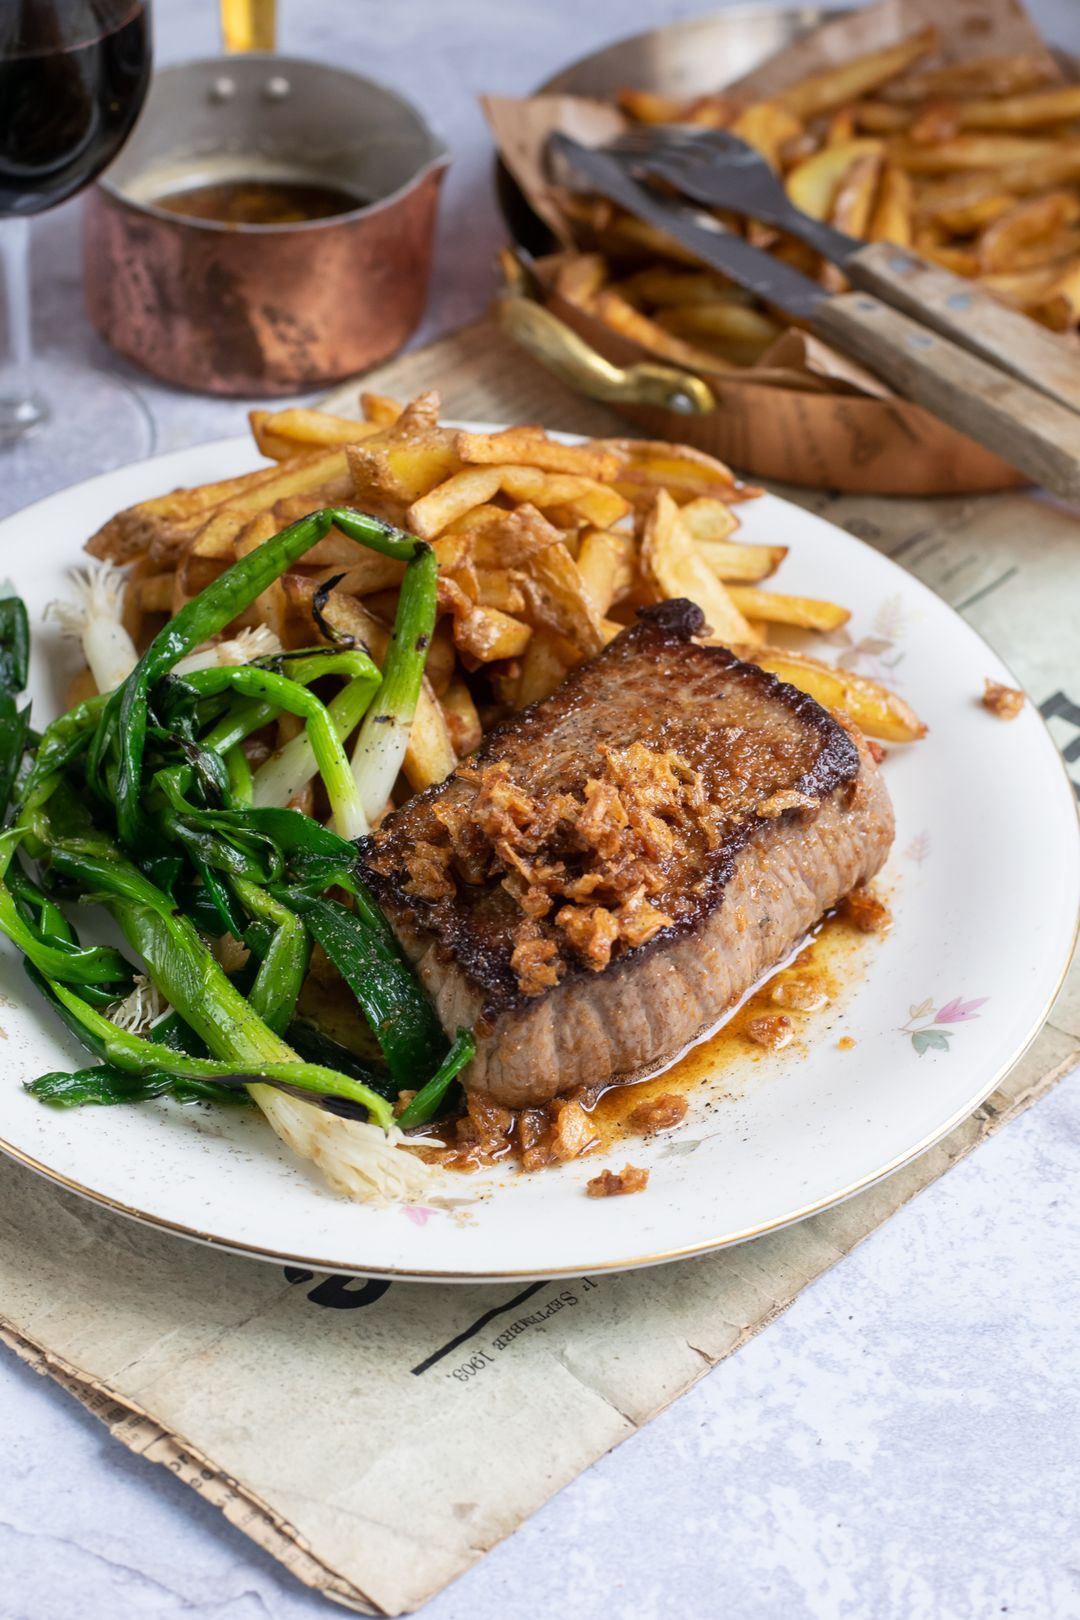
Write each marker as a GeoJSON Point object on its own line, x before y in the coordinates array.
{"type": "Point", "coordinates": [797, 815]}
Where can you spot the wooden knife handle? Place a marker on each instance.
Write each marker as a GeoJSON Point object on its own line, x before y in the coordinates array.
{"type": "Point", "coordinates": [1024, 427]}
{"type": "Point", "coordinates": [962, 311]}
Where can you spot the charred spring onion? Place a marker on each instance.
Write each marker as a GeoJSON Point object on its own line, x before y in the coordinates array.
{"type": "Point", "coordinates": [144, 801]}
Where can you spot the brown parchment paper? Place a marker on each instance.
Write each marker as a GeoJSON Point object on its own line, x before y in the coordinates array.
{"type": "Point", "coordinates": [854, 433]}
{"type": "Point", "coordinates": [216, 1366]}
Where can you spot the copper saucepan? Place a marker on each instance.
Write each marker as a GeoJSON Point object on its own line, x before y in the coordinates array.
{"type": "Point", "coordinates": [264, 309]}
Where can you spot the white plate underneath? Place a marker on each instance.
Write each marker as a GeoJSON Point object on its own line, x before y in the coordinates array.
{"type": "Point", "coordinates": [983, 882]}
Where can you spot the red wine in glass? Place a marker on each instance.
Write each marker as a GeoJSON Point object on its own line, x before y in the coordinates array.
{"type": "Point", "coordinates": [73, 77]}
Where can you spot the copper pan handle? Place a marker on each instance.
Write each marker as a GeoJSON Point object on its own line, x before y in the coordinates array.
{"type": "Point", "coordinates": [249, 25]}
{"type": "Point", "coordinates": [577, 364]}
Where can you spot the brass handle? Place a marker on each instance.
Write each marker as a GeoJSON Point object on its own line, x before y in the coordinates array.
{"type": "Point", "coordinates": [248, 25]}
{"type": "Point", "coordinates": [576, 363]}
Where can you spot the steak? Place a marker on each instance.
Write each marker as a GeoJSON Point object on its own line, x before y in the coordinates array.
{"type": "Point", "coordinates": [616, 865]}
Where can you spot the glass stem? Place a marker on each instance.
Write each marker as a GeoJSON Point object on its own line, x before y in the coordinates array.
{"type": "Point", "coordinates": [20, 407]}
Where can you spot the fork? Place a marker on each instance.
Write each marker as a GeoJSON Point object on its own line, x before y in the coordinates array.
{"type": "Point", "coordinates": [717, 169]}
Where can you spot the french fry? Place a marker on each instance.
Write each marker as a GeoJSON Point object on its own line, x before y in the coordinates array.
{"type": "Point", "coordinates": [152, 595]}
{"type": "Point", "coordinates": [1015, 179]}
{"type": "Point", "coordinates": [931, 243]}
{"type": "Point", "coordinates": [853, 202]}
{"type": "Point", "coordinates": [672, 566]}
{"type": "Point", "coordinates": [606, 565]}
{"type": "Point", "coordinates": [484, 634]}
{"type": "Point", "coordinates": [1060, 307]}
{"type": "Point", "coordinates": [1024, 289]}
{"type": "Point", "coordinates": [430, 755]}
{"type": "Point", "coordinates": [461, 717]}
{"type": "Point", "coordinates": [879, 118]}
{"type": "Point", "coordinates": [380, 408]}
{"type": "Point", "coordinates": [623, 234]}
{"type": "Point", "coordinates": [345, 616]}
{"type": "Point", "coordinates": [743, 563]}
{"type": "Point", "coordinates": [514, 539]}
{"type": "Point", "coordinates": [969, 152]}
{"type": "Point", "coordinates": [591, 501]}
{"type": "Point", "coordinates": [393, 475]}
{"type": "Point", "coordinates": [312, 430]}
{"type": "Point", "coordinates": [558, 599]}
{"type": "Point", "coordinates": [470, 525]}
{"type": "Point", "coordinates": [710, 519]}
{"type": "Point", "coordinates": [835, 86]}
{"type": "Point", "coordinates": [179, 514]}
{"type": "Point", "coordinates": [874, 709]}
{"type": "Point", "coordinates": [491, 587]}
{"type": "Point", "coordinates": [580, 277]}
{"type": "Point", "coordinates": [814, 184]}
{"type": "Point", "coordinates": [723, 321]}
{"type": "Point", "coordinates": [308, 475]}
{"type": "Point", "coordinates": [652, 464]}
{"type": "Point", "coordinates": [980, 76]}
{"type": "Point", "coordinates": [405, 460]}
{"type": "Point", "coordinates": [800, 147]}
{"type": "Point", "coordinates": [1003, 244]}
{"type": "Point", "coordinates": [367, 573]}
{"type": "Point", "coordinates": [217, 537]}
{"type": "Point", "coordinates": [646, 107]}
{"type": "Point", "coordinates": [771, 607]}
{"type": "Point", "coordinates": [270, 445]}
{"type": "Point", "coordinates": [662, 285]}
{"type": "Point", "coordinates": [441, 662]}
{"type": "Point", "coordinates": [631, 323]}
{"type": "Point", "coordinates": [964, 220]}
{"type": "Point", "coordinates": [937, 121]}
{"type": "Point", "coordinates": [891, 216]}
{"type": "Point", "coordinates": [452, 499]}
{"type": "Point", "coordinates": [547, 660]}
{"type": "Point", "coordinates": [767, 126]}
{"type": "Point", "coordinates": [1040, 107]}
{"type": "Point", "coordinates": [531, 447]}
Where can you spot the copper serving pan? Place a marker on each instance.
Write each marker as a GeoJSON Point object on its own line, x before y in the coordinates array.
{"type": "Point", "coordinates": [264, 309]}
{"type": "Point", "coordinates": [847, 442]}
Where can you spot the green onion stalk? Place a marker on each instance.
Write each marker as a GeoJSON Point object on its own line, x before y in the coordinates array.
{"type": "Point", "coordinates": [183, 799]}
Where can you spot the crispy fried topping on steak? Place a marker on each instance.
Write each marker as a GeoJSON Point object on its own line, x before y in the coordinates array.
{"type": "Point", "coordinates": [658, 1113]}
{"type": "Point", "coordinates": [864, 911]}
{"type": "Point", "coordinates": [608, 850]}
{"type": "Point", "coordinates": [608, 1184]}
{"type": "Point", "coordinates": [1004, 701]}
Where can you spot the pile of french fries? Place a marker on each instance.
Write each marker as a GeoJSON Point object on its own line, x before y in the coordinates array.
{"type": "Point", "coordinates": [975, 165]}
{"type": "Point", "coordinates": [546, 550]}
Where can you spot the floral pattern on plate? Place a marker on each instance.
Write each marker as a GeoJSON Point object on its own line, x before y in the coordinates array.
{"type": "Point", "coordinates": [924, 1025]}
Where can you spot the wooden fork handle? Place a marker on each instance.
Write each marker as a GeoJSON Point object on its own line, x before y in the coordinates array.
{"type": "Point", "coordinates": [1026, 428]}
{"type": "Point", "coordinates": [961, 310]}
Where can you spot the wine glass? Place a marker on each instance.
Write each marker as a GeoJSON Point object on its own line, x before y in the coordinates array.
{"type": "Point", "coordinates": [73, 77]}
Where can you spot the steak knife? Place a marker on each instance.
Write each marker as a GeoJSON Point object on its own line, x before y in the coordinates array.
{"type": "Point", "coordinates": [1024, 426]}
{"type": "Point", "coordinates": [717, 169]}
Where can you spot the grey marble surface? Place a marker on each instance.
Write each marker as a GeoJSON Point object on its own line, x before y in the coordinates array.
{"type": "Point", "coordinates": [902, 1445]}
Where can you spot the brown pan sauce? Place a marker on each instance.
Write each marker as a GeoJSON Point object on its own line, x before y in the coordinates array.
{"type": "Point", "coordinates": [794, 1006]}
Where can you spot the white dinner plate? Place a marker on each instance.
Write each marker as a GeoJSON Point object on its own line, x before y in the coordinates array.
{"type": "Point", "coordinates": [982, 881]}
